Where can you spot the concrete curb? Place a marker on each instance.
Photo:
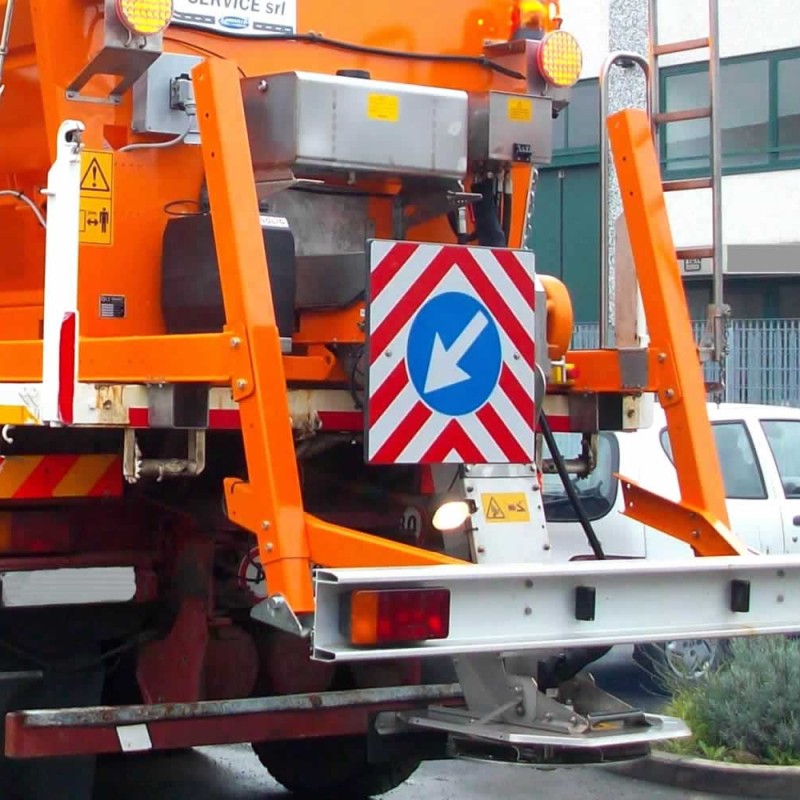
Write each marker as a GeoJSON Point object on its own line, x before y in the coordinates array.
{"type": "Point", "coordinates": [701, 775]}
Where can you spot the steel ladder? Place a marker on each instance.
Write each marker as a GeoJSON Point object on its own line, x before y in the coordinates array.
{"type": "Point", "coordinates": [713, 345]}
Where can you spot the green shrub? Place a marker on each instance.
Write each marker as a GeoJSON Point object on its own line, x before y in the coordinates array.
{"type": "Point", "coordinates": [748, 709]}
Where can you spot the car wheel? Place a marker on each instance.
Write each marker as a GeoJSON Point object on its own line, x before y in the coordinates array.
{"type": "Point", "coordinates": [680, 660]}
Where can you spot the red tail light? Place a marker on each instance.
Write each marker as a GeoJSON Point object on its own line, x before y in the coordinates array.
{"type": "Point", "coordinates": [394, 615]}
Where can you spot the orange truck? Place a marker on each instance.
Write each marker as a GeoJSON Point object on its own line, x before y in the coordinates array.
{"type": "Point", "coordinates": [271, 349]}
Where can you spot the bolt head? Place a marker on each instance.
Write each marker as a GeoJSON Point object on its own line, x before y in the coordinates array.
{"type": "Point", "coordinates": [265, 525]}
{"type": "Point", "coordinates": [241, 384]}
{"type": "Point", "coordinates": [235, 342]}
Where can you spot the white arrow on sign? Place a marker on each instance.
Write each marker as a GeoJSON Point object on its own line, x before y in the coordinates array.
{"type": "Point", "coordinates": [443, 370]}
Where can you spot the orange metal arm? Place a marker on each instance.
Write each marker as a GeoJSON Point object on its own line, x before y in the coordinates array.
{"type": "Point", "coordinates": [702, 518]}
{"type": "Point", "coordinates": [270, 503]}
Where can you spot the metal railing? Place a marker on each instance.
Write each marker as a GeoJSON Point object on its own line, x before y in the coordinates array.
{"type": "Point", "coordinates": [763, 363]}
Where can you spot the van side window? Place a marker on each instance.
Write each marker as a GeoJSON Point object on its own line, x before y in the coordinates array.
{"type": "Point", "coordinates": [784, 441]}
{"type": "Point", "coordinates": [740, 470]}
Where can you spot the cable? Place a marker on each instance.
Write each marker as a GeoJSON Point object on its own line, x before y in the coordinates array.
{"type": "Point", "coordinates": [317, 38]}
{"type": "Point", "coordinates": [25, 199]}
{"type": "Point", "coordinates": [569, 487]}
{"type": "Point", "coordinates": [161, 145]}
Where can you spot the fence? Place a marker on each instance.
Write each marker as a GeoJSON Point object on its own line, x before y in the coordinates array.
{"type": "Point", "coordinates": [763, 362]}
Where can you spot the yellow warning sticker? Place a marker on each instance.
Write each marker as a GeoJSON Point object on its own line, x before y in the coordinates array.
{"type": "Point", "coordinates": [520, 109]}
{"type": "Point", "coordinates": [383, 107]}
{"type": "Point", "coordinates": [506, 507]}
{"type": "Point", "coordinates": [97, 198]}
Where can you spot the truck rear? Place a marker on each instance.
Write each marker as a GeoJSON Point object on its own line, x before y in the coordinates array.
{"type": "Point", "coordinates": [269, 338]}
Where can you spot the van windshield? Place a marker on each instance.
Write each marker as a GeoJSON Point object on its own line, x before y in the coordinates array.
{"type": "Point", "coordinates": [597, 491]}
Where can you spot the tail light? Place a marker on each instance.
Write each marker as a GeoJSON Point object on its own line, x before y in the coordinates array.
{"type": "Point", "coordinates": [397, 615]}
{"type": "Point", "coordinates": [535, 14]}
{"type": "Point", "coordinates": [560, 59]}
{"type": "Point", "coordinates": [145, 17]}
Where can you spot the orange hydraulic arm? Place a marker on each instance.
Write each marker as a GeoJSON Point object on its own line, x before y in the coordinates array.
{"type": "Point", "coordinates": [701, 519]}
{"type": "Point", "coordinates": [270, 503]}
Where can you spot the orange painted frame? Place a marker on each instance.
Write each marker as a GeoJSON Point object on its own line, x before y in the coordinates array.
{"type": "Point", "coordinates": [701, 519]}
{"type": "Point", "coordinates": [270, 503]}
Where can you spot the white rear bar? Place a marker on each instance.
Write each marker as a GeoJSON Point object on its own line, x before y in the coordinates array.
{"type": "Point", "coordinates": [521, 607]}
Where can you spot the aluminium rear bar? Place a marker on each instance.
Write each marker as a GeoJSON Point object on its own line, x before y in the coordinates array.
{"type": "Point", "coordinates": [514, 608]}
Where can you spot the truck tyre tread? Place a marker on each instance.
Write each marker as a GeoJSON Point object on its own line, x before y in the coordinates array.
{"type": "Point", "coordinates": [332, 768]}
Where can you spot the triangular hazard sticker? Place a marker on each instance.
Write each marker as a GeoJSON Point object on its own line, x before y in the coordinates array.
{"type": "Point", "coordinates": [94, 179]}
{"type": "Point", "coordinates": [493, 510]}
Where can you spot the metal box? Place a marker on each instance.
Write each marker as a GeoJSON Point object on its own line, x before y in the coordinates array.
{"type": "Point", "coordinates": [151, 106]}
{"type": "Point", "coordinates": [510, 128]}
{"type": "Point", "coordinates": [315, 124]}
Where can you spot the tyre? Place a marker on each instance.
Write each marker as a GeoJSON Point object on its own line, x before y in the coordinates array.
{"type": "Point", "coordinates": [332, 768]}
{"type": "Point", "coordinates": [681, 660]}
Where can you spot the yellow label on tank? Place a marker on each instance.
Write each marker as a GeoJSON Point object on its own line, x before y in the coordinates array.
{"type": "Point", "coordinates": [505, 507]}
{"type": "Point", "coordinates": [520, 109]}
{"type": "Point", "coordinates": [383, 107]}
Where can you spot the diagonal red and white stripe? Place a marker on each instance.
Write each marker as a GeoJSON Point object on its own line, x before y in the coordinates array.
{"type": "Point", "coordinates": [401, 428]}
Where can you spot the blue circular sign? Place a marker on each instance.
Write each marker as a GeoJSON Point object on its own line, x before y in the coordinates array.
{"type": "Point", "coordinates": [454, 354]}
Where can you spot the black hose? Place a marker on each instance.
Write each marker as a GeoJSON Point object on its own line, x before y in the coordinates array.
{"type": "Point", "coordinates": [555, 671]}
{"type": "Point", "coordinates": [507, 201]}
{"type": "Point", "coordinates": [488, 230]}
{"type": "Point", "coordinates": [569, 487]}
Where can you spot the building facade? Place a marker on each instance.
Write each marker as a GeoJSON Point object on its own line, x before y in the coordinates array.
{"type": "Point", "coordinates": [760, 120]}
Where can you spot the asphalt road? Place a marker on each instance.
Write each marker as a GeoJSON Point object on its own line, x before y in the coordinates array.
{"type": "Point", "coordinates": [233, 773]}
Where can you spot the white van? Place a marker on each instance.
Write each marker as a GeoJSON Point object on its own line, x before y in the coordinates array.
{"type": "Point", "coordinates": [759, 449]}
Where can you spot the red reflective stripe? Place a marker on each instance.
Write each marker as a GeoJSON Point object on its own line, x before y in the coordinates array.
{"type": "Point", "coordinates": [513, 450]}
{"type": "Point", "coordinates": [560, 423]}
{"type": "Point", "coordinates": [453, 437]}
{"type": "Point", "coordinates": [409, 303]}
{"type": "Point", "coordinates": [391, 264]}
{"type": "Point", "coordinates": [46, 476]}
{"type": "Point", "coordinates": [66, 368]}
{"type": "Point", "coordinates": [110, 482]}
{"type": "Point", "coordinates": [408, 428]}
{"type": "Point", "coordinates": [516, 395]}
{"type": "Point", "coordinates": [387, 392]}
{"type": "Point", "coordinates": [341, 420]}
{"type": "Point", "coordinates": [517, 274]}
{"type": "Point", "coordinates": [506, 319]}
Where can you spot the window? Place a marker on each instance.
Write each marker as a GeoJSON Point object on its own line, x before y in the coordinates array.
{"type": "Point", "coordinates": [789, 108]}
{"type": "Point", "coordinates": [740, 470]}
{"type": "Point", "coordinates": [597, 491]}
{"type": "Point", "coordinates": [576, 132]}
{"type": "Point", "coordinates": [759, 114]}
{"type": "Point", "coordinates": [784, 441]}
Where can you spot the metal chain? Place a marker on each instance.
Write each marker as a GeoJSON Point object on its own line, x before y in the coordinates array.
{"type": "Point", "coordinates": [723, 356]}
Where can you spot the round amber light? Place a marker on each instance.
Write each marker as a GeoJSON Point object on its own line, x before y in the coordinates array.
{"type": "Point", "coordinates": [145, 17]}
{"type": "Point", "coordinates": [560, 59]}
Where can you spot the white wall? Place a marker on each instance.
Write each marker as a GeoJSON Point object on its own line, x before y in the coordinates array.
{"type": "Point", "coordinates": [758, 208]}
{"type": "Point", "coordinates": [588, 21]}
{"type": "Point", "coordinates": [746, 26]}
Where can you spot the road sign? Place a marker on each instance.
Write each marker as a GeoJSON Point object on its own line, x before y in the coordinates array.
{"type": "Point", "coordinates": [451, 354]}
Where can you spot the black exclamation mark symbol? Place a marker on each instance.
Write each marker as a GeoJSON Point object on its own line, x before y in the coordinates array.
{"type": "Point", "coordinates": [94, 176]}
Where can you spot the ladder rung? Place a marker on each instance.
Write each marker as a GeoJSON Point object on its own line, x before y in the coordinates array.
{"type": "Point", "coordinates": [683, 116]}
{"type": "Point", "coordinates": [691, 253]}
{"type": "Point", "coordinates": [681, 47]}
{"type": "Point", "coordinates": [688, 184]}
